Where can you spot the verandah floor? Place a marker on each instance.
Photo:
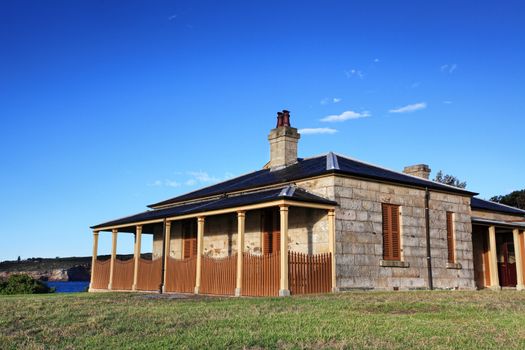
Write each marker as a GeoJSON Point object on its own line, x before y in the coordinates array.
{"type": "Point", "coordinates": [390, 320]}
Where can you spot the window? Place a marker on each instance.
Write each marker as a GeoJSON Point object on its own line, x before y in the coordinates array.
{"type": "Point", "coordinates": [450, 237]}
{"type": "Point", "coordinates": [189, 238]}
{"type": "Point", "coordinates": [391, 232]}
{"type": "Point", "coordinates": [271, 231]}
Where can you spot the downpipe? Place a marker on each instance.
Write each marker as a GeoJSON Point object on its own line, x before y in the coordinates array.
{"type": "Point", "coordinates": [427, 228]}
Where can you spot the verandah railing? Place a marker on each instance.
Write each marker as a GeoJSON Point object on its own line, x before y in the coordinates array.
{"type": "Point", "coordinates": [308, 274]}
{"type": "Point", "coordinates": [180, 275]}
{"type": "Point", "coordinates": [100, 274]}
{"type": "Point", "coordinates": [149, 275]}
{"type": "Point", "coordinates": [260, 275]}
{"type": "Point", "coordinates": [218, 275]}
{"type": "Point", "coordinates": [123, 274]}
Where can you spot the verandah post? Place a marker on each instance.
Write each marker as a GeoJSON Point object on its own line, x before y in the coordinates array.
{"type": "Point", "coordinates": [493, 259]}
{"type": "Point", "coordinates": [283, 286]}
{"type": "Point", "coordinates": [241, 219]}
{"type": "Point", "coordinates": [94, 258]}
{"type": "Point", "coordinates": [114, 234]}
{"type": "Point", "coordinates": [519, 259]}
{"type": "Point", "coordinates": [136, 256]}
{"type": "Point", "coordinates": [332, 247]}
{"type": "Point", "coordinates": [200, 243]}
{"type": "Point", "coordinates": [167, 238]}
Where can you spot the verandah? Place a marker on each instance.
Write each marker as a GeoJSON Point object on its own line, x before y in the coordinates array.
{"type": "Point", "coordinates": [280, 273]}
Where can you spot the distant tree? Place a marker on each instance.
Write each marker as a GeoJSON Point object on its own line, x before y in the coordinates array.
{"type": "Point", "coordinates": [449, 180]}
{"type": "Point", "coordinates": [514, 199]}
{"type": "Point", "coordinates": [19, 258]}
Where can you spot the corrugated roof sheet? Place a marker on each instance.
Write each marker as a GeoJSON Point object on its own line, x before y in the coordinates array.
{"type": "Point", "coordinates": [305, 168]}
{"type": "Point", "coordinates": [481, 204]}
{"type": "Point", "coordinates": [287, 192]}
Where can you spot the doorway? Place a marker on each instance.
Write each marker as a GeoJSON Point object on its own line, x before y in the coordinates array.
{"type": "Point", "coordinates": [506, 259]}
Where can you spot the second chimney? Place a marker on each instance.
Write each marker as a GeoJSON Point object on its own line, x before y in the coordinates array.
{"type": "Point", "coordinates": [419, 170]}
{"type": "Point", "coordinates": [283, 143]}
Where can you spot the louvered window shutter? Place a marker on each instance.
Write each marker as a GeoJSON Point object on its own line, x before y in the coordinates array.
{"type": "Point", "coordinates": [391, 232]}
{"type": "Point", "coordinates": [450, 237]}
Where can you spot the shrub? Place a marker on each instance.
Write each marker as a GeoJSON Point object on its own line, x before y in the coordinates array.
{"type": "Point", "coordinates": [23, 284]}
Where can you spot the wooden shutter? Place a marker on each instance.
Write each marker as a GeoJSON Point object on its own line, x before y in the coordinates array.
{"type": "Point", "coordinates": [391, 232]}
{"type": "Point", "coordinates": [189, 239]}
{"type": "Point", "coordinates": [450, 237]}
{"type": "Point", "coordinates": [271, 233]}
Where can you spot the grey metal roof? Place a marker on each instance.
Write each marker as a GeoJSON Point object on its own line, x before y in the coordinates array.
{"type": "Point", "coordinates": [330, 163]}
{"type": "Point", "coordinates": [286, 192]}
{"type": "Point", "coordinates": [484, 221]}
{"type": "Point", "coordinates": [481, 204]}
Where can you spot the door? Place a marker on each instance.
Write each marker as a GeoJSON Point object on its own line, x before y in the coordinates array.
{"type": "Point", "coordinates": [507, 262]}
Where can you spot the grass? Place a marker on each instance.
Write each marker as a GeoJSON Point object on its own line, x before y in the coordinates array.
{"type": "Point", "coordinates": [391, 320]}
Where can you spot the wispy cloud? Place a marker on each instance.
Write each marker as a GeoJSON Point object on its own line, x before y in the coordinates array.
{"type": "Point", "coordinates": [447, 102]}
{"type": "Point", "coordinates": [164, 183]}
{"type": "Point", "coordinates": [354, 73]}
{"type": "Point", "coordinates": [448, 68]}
{"type": "Point", "coordinates": [345, 116]}
{"type": "Point", "coordinates": [328, 100]}
{"type": "Point", "coordinates": [172, 17]}
{"type": "Point", "coordinates": [312, 131]}
{"type": "Point", "coordinates": [409, 108]}
{"type": "Point", "coordinates": [376, 60]}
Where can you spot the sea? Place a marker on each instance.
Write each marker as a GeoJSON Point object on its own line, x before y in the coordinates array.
{"type": "Point", "coordinates": [68, 287]}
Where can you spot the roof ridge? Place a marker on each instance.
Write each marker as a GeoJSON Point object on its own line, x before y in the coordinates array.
{"type": "Point", "coordinates": [402, 173]}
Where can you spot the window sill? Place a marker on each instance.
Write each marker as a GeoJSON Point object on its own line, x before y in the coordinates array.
{"type": "Point", "coordinates": [455, 266]}
{"type": "Point", "coordinates": [393, 263]}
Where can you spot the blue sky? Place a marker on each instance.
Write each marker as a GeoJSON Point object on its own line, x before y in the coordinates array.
{"type": "Point", "coordinates": [108, 106]}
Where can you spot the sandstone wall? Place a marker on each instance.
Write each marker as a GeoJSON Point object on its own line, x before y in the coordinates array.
{"type": "Point", "coordinates": [359, 237]}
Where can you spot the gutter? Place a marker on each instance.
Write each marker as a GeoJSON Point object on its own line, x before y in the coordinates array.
{"type": "Point", "coordinates": [427, 229]}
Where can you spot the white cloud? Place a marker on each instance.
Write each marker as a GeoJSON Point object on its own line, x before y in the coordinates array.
{"type": "Point", "coordinates": [164, 183]}
{"type": "Point", "coordinates": [449, 68]}
{"type": "Point", "coordinates": [327, 100]}
{"type": "Point", "coordinates": [409, 108]}
{"type": "Point", "coordinates": [376, 60]}
{"type": "Point", "coordinates": [203, 176]}
{"type": "Point", "coordinates": [190, 182]}
{"type": "Point", "coordinates": [354, 73]}
{"type": "Point", "coordinates": [345, 116]}
{"type": "Point", "coordinates": [447, 102]}
{"type": "Point", "coordinates": [172, 17]}
{"type": "Point", "coordinates": [312, 131]}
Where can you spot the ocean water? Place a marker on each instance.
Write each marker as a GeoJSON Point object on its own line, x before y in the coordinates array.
{"type": "Point", "coordinates": [68, 287]}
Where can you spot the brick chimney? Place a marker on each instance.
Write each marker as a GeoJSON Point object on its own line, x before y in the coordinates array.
{"type": "Point", "coordinates": [283, 142]}
{"type": "Point", "coordinates": [419, 170]}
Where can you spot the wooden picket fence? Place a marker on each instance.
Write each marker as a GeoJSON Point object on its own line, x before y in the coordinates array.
{"type": "Point", "coordinates": [308, 274]}
{"type": "Point", "coordinates": [123, 274]}
{"type": "Point", "coordinates": [180, 275]}
{"type": "Point", "coordinates": [100, 271]}
{"type": "Point", "coordinates": [218, 275]}
{"type": "Point", "coordinates": [260, 275]}
{"type": "Point", "coordinates": [149, 274]}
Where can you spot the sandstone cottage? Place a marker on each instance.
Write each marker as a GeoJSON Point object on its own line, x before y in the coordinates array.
{"type": "Point", "coordinates": [315, 225]}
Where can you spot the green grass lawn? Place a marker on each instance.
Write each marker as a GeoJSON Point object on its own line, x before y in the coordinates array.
{"type": "Point", "coordinates": [347, 320]}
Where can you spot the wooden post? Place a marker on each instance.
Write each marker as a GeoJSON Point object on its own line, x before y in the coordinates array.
{"type": "Point", "coordinates": [519, 259]}
{"type": "Point", "coordinates": [493, 259]}
{"type": "Point", "coordinates": [283, 286]}
{"type": "Point", "coordinates": [136, 256]}
{"type": "Point", "coordinates": [114, 233]}
{"type": "Point", "coordinates": [332, 246]}
{"type": "Point", "coordinates": [94, 258]}
{"type": "Point", "coordinates": [241, 220]}
{"type": "Point", "coordinates": [200, 243]}
{"type": "Point", "coordinates": [167, 238]}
